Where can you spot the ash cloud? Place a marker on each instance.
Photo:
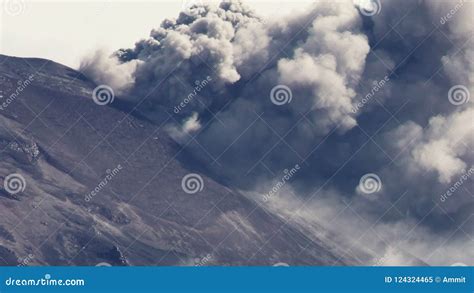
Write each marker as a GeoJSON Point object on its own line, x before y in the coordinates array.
{"type": "Point", "coordinates": [331, 57]}
{"type": "Point", "coordinates": [107, 69]}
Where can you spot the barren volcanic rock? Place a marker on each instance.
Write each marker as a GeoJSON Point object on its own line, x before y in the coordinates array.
{"type": "Point", "coordinates": [103, 185]}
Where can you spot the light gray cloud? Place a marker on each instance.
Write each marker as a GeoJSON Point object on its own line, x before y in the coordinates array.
{"type": "Point", "coordinates": [329, 56]}
{"type": "Point", "coordinates": [108, 70]}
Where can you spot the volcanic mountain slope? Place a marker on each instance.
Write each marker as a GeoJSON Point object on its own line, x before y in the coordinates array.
{"type": "Point", "coordinates": [65, 146]}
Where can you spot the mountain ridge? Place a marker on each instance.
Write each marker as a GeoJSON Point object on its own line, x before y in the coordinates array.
{"type": "Point", "coordinates": [142, 216]}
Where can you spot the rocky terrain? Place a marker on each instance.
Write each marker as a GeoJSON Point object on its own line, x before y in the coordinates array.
{"type": "Point", "coordinates": [102, 186]}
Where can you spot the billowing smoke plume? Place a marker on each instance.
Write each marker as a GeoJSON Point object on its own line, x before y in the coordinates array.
{"type": "Point", "coordinates": [339, 91]}
{"type": "Point", "coordinates": [109, 70]}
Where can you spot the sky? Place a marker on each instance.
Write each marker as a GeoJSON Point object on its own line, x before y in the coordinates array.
{"type": "Point", "coordinates": [66, 31]}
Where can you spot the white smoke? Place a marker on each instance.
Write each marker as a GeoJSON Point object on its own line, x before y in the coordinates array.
{"type": "Point", "coordinates": [106, 69]}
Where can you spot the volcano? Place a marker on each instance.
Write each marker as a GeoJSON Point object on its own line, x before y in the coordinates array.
{"type": "Point", "coordinates": [99, 185]}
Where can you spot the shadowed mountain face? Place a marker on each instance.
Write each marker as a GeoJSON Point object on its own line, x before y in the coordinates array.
{"type": "Point", "coordinates": [102, 186]}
